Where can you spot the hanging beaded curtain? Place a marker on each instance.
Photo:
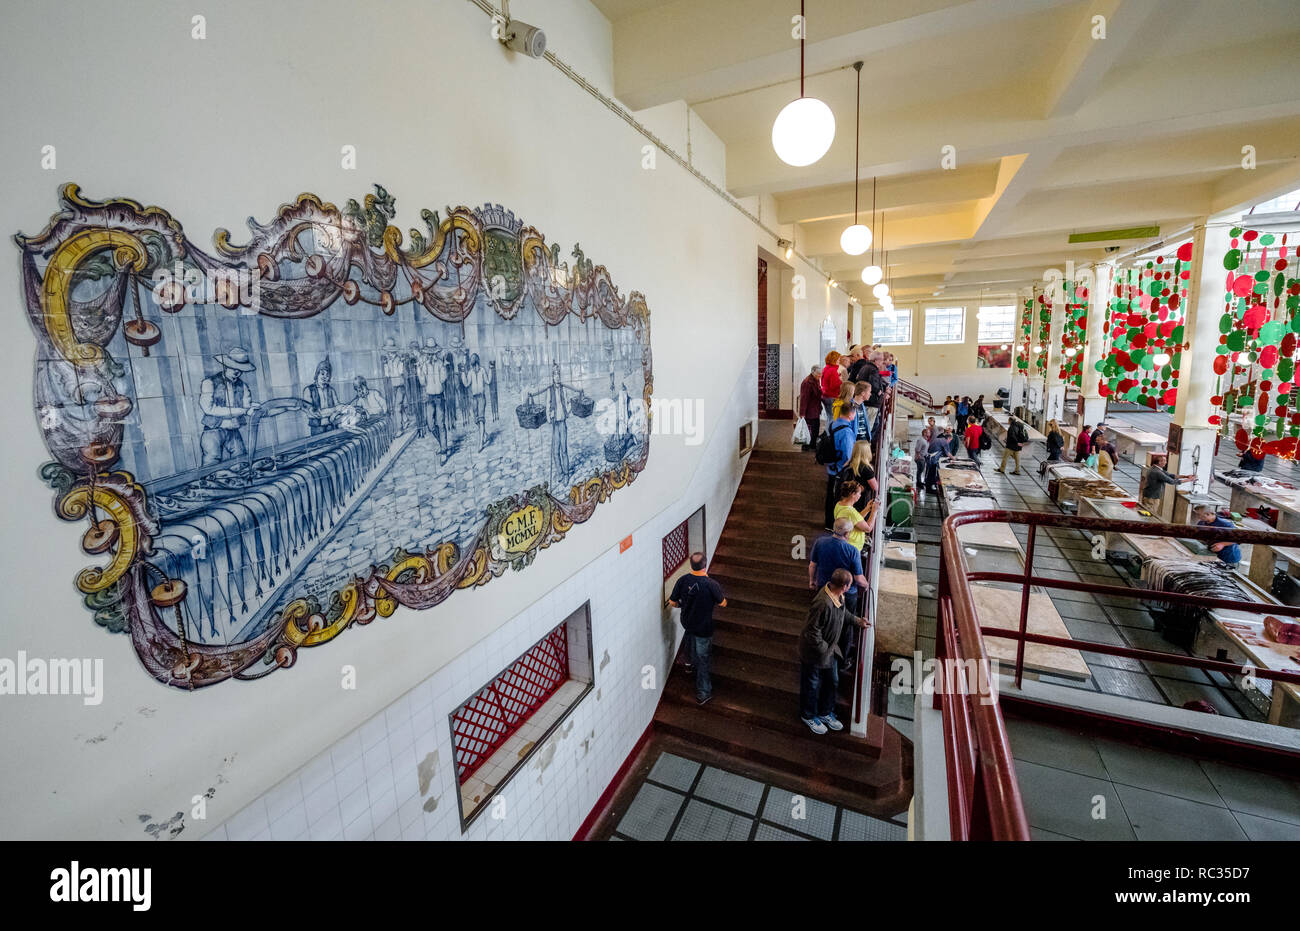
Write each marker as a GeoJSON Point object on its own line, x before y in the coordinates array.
{"type": "Point", "coordinates": [1044, 335]}
{"type": "Point", "coordinates": [1255, 358]}
{"type": "Point", "coordinates": [1075, 333]}
{"type": "Point", "coordinates": [1026, 336]}
{"type": "Point", "coordinates": [1145, 322]}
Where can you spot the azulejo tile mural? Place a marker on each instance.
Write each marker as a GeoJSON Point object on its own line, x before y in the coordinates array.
{"type": "Point", "coordinates": [271, 443]}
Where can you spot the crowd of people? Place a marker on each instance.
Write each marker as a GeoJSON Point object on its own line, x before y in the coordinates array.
{"type": "Point", "coordinates": [840, 403]}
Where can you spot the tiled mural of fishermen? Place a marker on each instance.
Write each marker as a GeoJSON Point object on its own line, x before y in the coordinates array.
{"type": "Point", "coordinates": [418, 411]}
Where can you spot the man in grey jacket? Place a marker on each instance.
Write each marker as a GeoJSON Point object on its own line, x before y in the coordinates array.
{"type": "Point", "coordinates": [818, 650]}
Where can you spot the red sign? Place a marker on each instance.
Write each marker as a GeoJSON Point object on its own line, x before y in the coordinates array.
{"type": "Point", "coordinates": [625, 544]}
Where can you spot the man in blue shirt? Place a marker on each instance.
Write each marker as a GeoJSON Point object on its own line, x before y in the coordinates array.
{"type": "Point", "coordinates": [844, 434]}
{"type": "Point", "coordinates": [1229, 553]}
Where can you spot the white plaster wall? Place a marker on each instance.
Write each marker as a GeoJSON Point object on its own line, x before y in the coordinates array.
{"type": "Point", "coordinates": [235, 125]}
{"type": "Point", "coordinates": [945, 368]}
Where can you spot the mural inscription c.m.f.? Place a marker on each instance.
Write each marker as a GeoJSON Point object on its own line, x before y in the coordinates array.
{"type": "Point", "coordinates": [276, 441]}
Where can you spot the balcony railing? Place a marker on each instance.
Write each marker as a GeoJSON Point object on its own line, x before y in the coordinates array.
{"type": "Point", "coordinates": [983, 796]}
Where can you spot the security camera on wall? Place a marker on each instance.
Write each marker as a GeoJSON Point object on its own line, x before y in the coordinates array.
{"type": "Point", "coordinates": [520, 37]}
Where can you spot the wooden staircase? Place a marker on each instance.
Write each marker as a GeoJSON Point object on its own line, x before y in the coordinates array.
{"type": "Point", "coordinates": [754, 713]}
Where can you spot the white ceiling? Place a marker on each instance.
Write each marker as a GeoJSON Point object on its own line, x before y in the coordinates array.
{"type": "Point", "coordinates": [1055, 132]}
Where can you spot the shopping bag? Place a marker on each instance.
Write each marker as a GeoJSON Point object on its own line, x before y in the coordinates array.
{"type": "Point", "coordinates": [802, 435]}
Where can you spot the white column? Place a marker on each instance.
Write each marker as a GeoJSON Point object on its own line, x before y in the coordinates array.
{"type": "Point", "coordinates": [1034, 388]}
{"type": "Point", "coordinates": [1019, 380]}
{"type": "Point", "coordinates": [1193, 451]}
{"type": "Point", "coordinates": [1099, 298]}
{"type": "Point", "coordinates": [1054, 386]}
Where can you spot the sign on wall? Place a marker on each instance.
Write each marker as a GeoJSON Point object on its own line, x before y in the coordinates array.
{"type": "Point", "coordinates": [276, 441]}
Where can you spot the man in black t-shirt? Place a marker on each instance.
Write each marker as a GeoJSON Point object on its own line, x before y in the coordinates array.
{"type": "Point", "coordinates": [697, 594]}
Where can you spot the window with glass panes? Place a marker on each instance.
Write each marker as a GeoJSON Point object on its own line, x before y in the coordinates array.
{"type": "Point", "coordinates": [945, 324]}
{"type": "Point", "coordinates": [892, 329]}
{"type": "Point", "coordinates": [997, 324]}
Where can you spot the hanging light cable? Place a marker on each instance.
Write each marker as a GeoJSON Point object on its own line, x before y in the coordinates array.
{"type": "Point", "coordinates": [872, 273]}
{"type": "Point", "coordinates": [881, 289]}
{"type": "Point", "coordinates": [805, 128]}
{"type": "Point", "coordinates": [856, 239]}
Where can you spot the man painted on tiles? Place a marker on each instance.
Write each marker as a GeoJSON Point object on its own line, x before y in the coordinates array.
{"type": "Point", "coordinates": [226, 401]}
{"type": "Point", "coordinates": [265, 512]}
{"type": "Point", "coordinates": [322, 398]}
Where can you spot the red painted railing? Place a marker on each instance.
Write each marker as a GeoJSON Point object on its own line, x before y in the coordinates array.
{"type": "Point", "coordinates": [916, 393]}
{"type": "Point", "coordinates": [983, 796]}
{"type": "Point", "coordinates": [675, 549]}
{"type": "Point", "coordinates": [500, 708]}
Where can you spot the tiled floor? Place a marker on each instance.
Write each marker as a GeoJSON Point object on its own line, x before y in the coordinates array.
{"type": "Point", "coordinates": [1066, 554]}
{"type": "Point", "coordinates": [1077, 787]}
{"type": "Point", "coordinates": [683, 799]}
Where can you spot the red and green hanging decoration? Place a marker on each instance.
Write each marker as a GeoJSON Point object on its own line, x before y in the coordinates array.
{"type": "Point", "coordinates": [1026, 336]}
{"type": "Point", "coordinates": [1256, 356]}
{"type": "Point", "coordinates": [1145, 321]}
{"type": "Point", "coordinates": [1074, 335]}
{"type": "Point", "coordinates": [1044, 335]}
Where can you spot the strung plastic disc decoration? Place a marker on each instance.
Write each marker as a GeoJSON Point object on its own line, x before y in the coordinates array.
{"type": "Point", "coordinates": [1256, 357]}
{"type": "Point", "coordinates": [1044, 334]}
{"type": "Point", "coordinates": [1145, 333]}
{"type": "Point", "coordinates": [1074, 334]}
{"type": "Point", "coordinates": [1026, 336]}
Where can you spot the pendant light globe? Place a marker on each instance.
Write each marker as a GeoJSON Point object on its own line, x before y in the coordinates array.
{"type": "Point", "coordinates": [803, 131]}
{"type": "Point", "coordinates": [855, 239]}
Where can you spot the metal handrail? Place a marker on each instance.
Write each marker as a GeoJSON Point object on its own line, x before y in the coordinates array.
{"type": "Point", "coordinates": [984, 797]}
{"type": "Point", "coordinates": [879, 455]}
{"type": "Point", "coordinates": [916, 393]}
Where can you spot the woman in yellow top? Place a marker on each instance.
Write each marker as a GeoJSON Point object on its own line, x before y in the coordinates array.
{"type": "Point", "coordinates": [1105, 464]}
{"type": "Point", "coordinates": [850, 493]}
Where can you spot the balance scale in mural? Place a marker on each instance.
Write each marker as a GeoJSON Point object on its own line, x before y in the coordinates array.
{"type": "Point", "coordinates": [280, 440]}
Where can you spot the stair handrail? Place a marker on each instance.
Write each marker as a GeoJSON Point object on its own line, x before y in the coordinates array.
{"type": "Point", "coordinates": [916, 393]}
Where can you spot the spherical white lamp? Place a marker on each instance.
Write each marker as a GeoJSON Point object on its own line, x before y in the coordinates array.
{"type": "Point", "coordinates": [872, 274]}
{"type": "Point", "coordinates": [880, 290]}
{"type": "Point", "coordinates": [803, 131]}
{"type": "Point", "coordinates": [1005, 347]}
{"type": "Point", "coordinates": [1161, 358]}
{"type": "Point", "coordinates": [1070, 352]}
{"type": "Point", "coordinates": [855, 239]}
{"type": "Point", "coordinates": [1038, 349]}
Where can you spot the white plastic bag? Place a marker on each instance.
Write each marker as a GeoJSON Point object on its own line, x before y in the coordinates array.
{"type": "Point", "coordinates": [802, 436]}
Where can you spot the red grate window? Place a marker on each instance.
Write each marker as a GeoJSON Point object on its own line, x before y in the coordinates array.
{"type": "Point", "coordinates": [675, 549]}
{"type": "Point", "coordinates": [488, 719]}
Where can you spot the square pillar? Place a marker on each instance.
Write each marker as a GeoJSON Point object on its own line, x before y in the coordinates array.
{"type": "Point", "coordinates": [1191, 435]}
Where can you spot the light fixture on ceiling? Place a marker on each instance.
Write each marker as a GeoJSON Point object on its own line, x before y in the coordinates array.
{"type": "Point", "coordinates": [856, 239]}
{"type": "Point", "coordinates": [786, 245]}
{"type": "Point", "coordinates": [1069, 353]}
{"type": "Point", "coordinates": [1005, 347]}
{"type": "Point", "coordinates": [1038, 349]}
{"type": "Point", "coordinates": [1161, 358]}
{"type": "Point", "coordinates": [805, 127]}
{"type": "Point", "coordinates": [880, 290]}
